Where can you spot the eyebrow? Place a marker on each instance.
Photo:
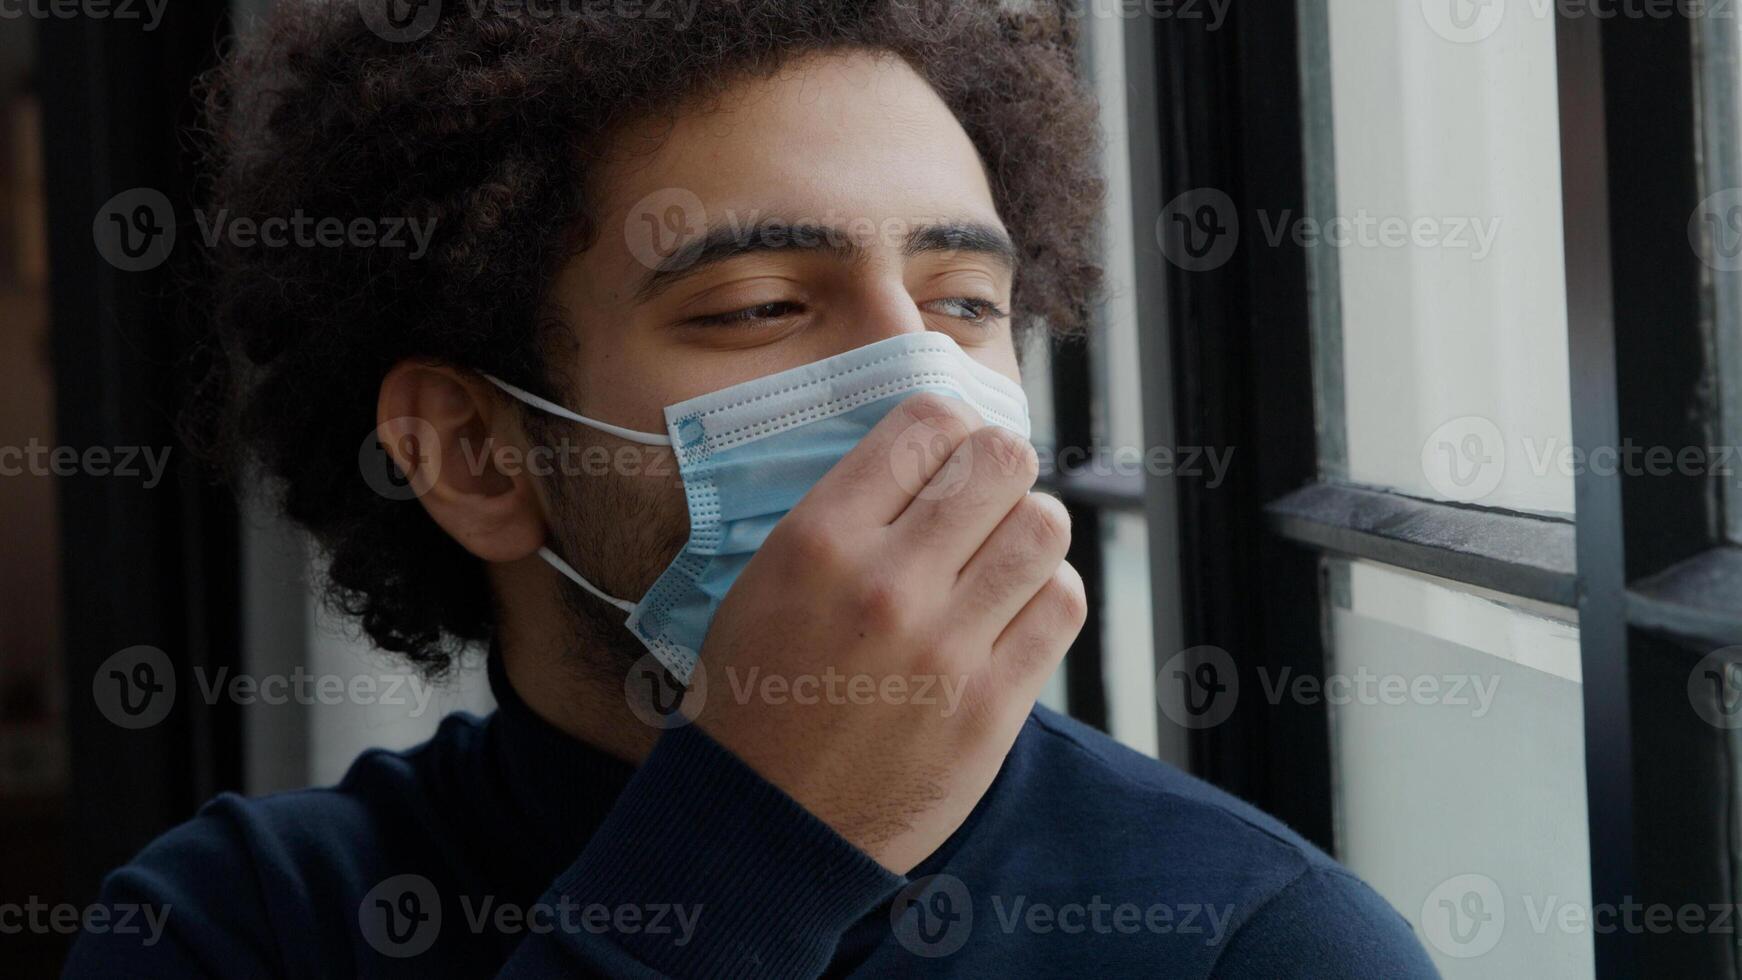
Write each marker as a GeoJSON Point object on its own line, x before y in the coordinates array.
{"type": "Point", "coordinates": [722, 243]}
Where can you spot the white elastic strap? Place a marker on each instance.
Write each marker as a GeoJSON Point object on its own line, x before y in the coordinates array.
{"type": "Point", "coordinates": [633, 435]}
{"type": "Point", "coordinates": [575, 577]}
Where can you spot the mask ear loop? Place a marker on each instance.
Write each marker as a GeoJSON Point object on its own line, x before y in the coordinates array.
{"type": "Point", "coordinates": [644, 438]}
{"type": "Point", "coordinates": [564, 567]}
{"type": "Point", "coordinates": [550, 557]}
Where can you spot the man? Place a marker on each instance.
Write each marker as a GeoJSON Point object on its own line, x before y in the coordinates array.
{"type": "Point", "coordinates": [827, 225]}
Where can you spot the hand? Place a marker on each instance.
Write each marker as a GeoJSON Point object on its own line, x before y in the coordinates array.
{"type": "Point", "coordinates": [907, 612]}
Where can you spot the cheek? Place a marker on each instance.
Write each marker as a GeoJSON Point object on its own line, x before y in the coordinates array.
{"type": "Point", "coordinates": [1000, 357]}
{"type": "Point", "coordinates": [624, 519]}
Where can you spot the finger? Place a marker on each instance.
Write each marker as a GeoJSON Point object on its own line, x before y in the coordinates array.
{"type": "Point", "coordinates": [1030, 648]}
{"type": "Point", "coordinates": [895, 461]}
{"type": "Point", "coordinates": [969, 496]}
{"type": "Point", "coordinates": [1016, 561]}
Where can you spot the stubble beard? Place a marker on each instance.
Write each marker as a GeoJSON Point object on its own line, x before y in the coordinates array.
{"type": "Point", "coordinates": [619, 532]}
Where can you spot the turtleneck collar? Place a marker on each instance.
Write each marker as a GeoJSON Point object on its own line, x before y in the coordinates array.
{"type": "Point", "coordinates": [561, 786]}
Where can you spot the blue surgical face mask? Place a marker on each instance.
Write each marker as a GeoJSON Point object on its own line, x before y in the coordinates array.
{"type": "Point", "coordinates": [749, 452]}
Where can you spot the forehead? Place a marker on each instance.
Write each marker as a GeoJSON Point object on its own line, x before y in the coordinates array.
{"type": "Point", "coordinates": [831, 138]}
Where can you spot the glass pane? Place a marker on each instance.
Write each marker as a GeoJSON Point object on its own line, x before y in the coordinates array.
{"type": "Point", "coordinates": [1036, 356]}
{"type": "Point", "coordinates": [1457, 728]}
{"type": "Point", "coordinates": [1435, 235]}
{"type": "Point", "coordinates": [1128, 631]}
{"type": "Point", "coordinates": [1715, 231]}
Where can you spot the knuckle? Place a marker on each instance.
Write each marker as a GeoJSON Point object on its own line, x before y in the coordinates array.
{"type": "Point", "coordinates": [1068, 597]}
{"type": "Point", "coordinates": [1012, 455]}
{"type": "Point", "coordinates": [1034, 655]}
{"type": "Point", "coordinates": [810, 545]}
{"type": "Point", "coordinates": [930, 658]}
{"type": "Point", "coordinates": [942, 658]}
{"type": "Point", "coordinates": [881, 606]}
{"type": "Point", "coordinates": [929, 406]}
{"type": "Point", "coordinates": [1046, 519]}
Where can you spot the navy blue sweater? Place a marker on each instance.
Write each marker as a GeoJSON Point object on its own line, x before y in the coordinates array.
{"type": "Point", "coordinates": [502, 847]}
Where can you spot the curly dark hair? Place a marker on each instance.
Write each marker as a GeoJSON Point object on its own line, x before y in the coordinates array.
{"type": "Point", "coordinates": [485, 125]}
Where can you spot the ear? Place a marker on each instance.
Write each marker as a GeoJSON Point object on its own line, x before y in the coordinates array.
{"type": "Point", "coordinates": [464, 453]}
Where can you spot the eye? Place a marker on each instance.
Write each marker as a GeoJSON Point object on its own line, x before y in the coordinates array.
{"type": "Point", "coordinates": [751, 315]}
{"type": "Point", "coordinates": [969, 308]}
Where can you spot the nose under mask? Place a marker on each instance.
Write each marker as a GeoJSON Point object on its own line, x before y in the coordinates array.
{"type": "Point", "coordinates": [747, 453]}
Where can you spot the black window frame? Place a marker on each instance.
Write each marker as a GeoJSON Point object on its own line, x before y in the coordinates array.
{"type": "Point", "coordinates": [1646, 562]}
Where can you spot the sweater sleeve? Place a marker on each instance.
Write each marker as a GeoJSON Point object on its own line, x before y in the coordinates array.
{"type": "Point", "coordinates": [1325, 924]}
{"type": "Point", "coordinates": [749, 883]}
{"type": "Point", "coordinates": [701, 869]}
{"type": "Point", "coordinates": [189, 905]}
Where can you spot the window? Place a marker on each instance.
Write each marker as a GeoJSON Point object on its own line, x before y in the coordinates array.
{"type": "Point", "coordinates": [1431, 275]}
{"type": "Point", "coordinates": [1433, 235]}
{"type": "Point", "coordinates": [1088, 396]}
{"type": "Point", "coordinates": [1715, 229]}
